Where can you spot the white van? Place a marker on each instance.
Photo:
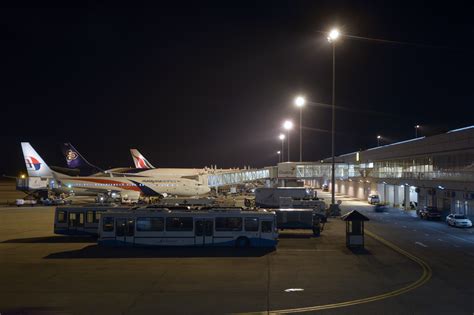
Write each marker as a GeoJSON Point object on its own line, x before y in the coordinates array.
{"type": "Point", "coordinates": [373, 199]}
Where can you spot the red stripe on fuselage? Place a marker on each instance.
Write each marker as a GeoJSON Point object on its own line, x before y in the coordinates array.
{"type": "Point", "coordinates": [127, 186]}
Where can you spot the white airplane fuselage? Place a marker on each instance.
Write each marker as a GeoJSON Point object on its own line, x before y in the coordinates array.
{"type": "Point", "coordinates": [144, 186]}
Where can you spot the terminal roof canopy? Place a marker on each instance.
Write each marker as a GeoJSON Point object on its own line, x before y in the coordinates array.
{"type": "Point", "coordinates": [354, 215]}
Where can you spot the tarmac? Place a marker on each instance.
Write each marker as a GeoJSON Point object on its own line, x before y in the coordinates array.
{"type": "Point", "coordinates": [48, 274]}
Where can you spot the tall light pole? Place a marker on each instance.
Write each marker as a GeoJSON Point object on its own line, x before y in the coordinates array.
{"type": "Point", "coordinates": [299, 102]}
{"type": "Point", "coordinates": [416, 130]}
{"type": "Point", "coordinates": [279, 156]}
{"type": "Point", "coordinates": [288, 125]}
{"type": "Point", "coordinates": [282, 138]}
{"type": "Point", "coordinates": [332, 38]}
{"type": "Point", "coordinates": [378, 140]}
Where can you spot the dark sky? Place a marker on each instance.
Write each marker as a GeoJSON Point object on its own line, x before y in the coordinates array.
{"type": "Point", "coordinates": [207, 83]}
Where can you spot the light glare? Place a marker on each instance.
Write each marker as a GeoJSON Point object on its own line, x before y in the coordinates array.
{"type": "Point", "coordinates": [333, 35]}
{"type": "Point", "coordinates": [288, 125]}
{"type": "Point", "coordinates": [282, 136]}
{"type": "Point", "coordinates": [300, 101]}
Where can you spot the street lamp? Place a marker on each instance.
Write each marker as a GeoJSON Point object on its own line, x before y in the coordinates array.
{"type": "Point", "coordinates": [378, 140]}
{"type": "Point", "coordinates": [282, 138]}
{"type": "Point", "coordinates": [279, 156]}
{"type": "Point", "coordinates": [416, 130]}
{"type": "Point", "coordinates": [288, 125]}
{"type": "Point", "coordinates": [332, 38]}
{"type": "Point", "coordinates": [300, 102]}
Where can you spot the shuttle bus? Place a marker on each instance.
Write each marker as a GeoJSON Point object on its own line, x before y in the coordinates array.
{"type": "Point", "coordinates": [80, 220]}
{"type": "Point", "coordinates": [165, 227]}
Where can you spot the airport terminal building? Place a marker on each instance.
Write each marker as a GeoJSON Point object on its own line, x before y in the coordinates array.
{"type": "Point", "coordinates": [426, 171]}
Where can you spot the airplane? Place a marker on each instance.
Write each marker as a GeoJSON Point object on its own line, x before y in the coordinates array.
{"type": "Point", "coordinates": [150, 184]}
{"type": "Point", "coordinates": [77, 161]}
{"type": "Point", "coordinates": [143, 167]}
{"type": "Point", "coordinates": [126, 187]}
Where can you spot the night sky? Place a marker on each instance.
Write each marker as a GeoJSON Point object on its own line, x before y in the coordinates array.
{"type": "Point", "coordinates": [192, 85]}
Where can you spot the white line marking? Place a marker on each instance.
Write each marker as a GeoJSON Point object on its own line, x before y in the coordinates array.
{"type": "Point", "coordinates": [440, 240]}
{"type": "Point", "coordinates": [421, 244]}
{"type": "Point", "coordinates": [294, 290]}
{"type": "Point", "coordinates": [450, 235]}
{"type": "Point", "coordinates": [404, 226]}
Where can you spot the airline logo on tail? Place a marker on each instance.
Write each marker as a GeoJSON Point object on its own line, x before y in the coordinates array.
{"type": "Point", "coordinates": [32, 163]}
{"type": "Point", "coordinates": [140, 163]}
{"type": "Point", "coordinates": [35, 165]}
{"type": "Point", "coordinates": [139, 160]}
{"type": "Point", "coordinates": [71, 155]}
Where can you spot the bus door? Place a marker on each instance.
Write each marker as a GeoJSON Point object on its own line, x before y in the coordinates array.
{"type": "Point", "coordinates": [125, 230]}
{"type": "Point", "coordinates": [204, 231]}
{"type": "Point", "coordinates": [76, 221]}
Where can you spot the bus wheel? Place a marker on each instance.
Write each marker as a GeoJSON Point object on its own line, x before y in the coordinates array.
{"type": "Point", "coordinates": [242, 242]}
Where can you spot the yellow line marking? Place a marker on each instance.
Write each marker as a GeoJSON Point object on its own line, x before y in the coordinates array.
{"type": "Point", "coordinates": [425, 277]}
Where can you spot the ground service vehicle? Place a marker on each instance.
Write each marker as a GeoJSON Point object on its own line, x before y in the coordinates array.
{"type": "Point", "coordinates": [430, 213]}
{"type": "Point", "coordinates": [164, 227]}
{"type": "Point", "coordinates": [373, 199]}
{"type": "Point", "coordinates": [458, 220]}
{"type": "Point", "coordinates": [80, 220]}
{"type": "Point", "coordinates": [272, 197]}
{"type": "Point", "coordinates": [299, 219]}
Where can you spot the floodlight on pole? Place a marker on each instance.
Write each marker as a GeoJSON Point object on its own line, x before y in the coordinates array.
{"type": "Point", "coordinates": [416, 130]}
{"type": "Point", "coordinates": [282, 138]}
{"type": "Point", "coordinates": [378, 140]}
{"type": "Point", "coordinates": [288, 125]}
{"type": "Point", "coordinates": [279, 156]}
{"type": "Point", "coordinates": [333, 35]}
{"type": "Point", "coordinates": [300, 102]}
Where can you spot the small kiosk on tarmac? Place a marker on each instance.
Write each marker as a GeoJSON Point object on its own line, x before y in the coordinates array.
{"type": "Point", "coordinates": [354, 229]}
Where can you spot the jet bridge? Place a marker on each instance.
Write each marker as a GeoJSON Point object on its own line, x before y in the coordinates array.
{"type": "Point", "coordinates": [237, 177]}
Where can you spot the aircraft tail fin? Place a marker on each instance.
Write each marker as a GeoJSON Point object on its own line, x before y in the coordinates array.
{"type": "Point", "coordinates": [75, 160]}
{"type": "Point", "coordinates": [139, 160]}
{"type": "Point", "coordinates": [35, 165]}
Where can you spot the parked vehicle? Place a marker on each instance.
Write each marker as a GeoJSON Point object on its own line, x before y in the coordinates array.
{"type": "Point", "coordinates": [458, 220]}
{"type": "Point", "coordinates": [26, 202]}
{"type": "Point", "coordinates": [325, 187]}
{"type": "Point", "coordinates": [373, 199]}
{"type": "Point", "coordinates": [430, 213]}
{"type": "Point", "coordinates": [165, 227]}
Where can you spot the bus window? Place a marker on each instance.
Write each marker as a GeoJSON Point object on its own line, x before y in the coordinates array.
{"type": "Point", "coordinates": [228, 224]}
{"type": "Point", "coordinates": [96, 217]}
{"type": "Point", "coordinates": [150, 224]}
{"type": "Point", "coordinates": [130, 227]}
{"type": "Point", "coordinates": [179, 224]}
{"type": "Point", "coordinates": [251, 224]}
{"type": "Point", "coordinates": [90, 217]}
{"type": "Point", "coordinates": [267, 226]}
{"type": "Point", "coordinates": [62, 217]}
{"type": "Point", "coordinates": [108, 224]}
